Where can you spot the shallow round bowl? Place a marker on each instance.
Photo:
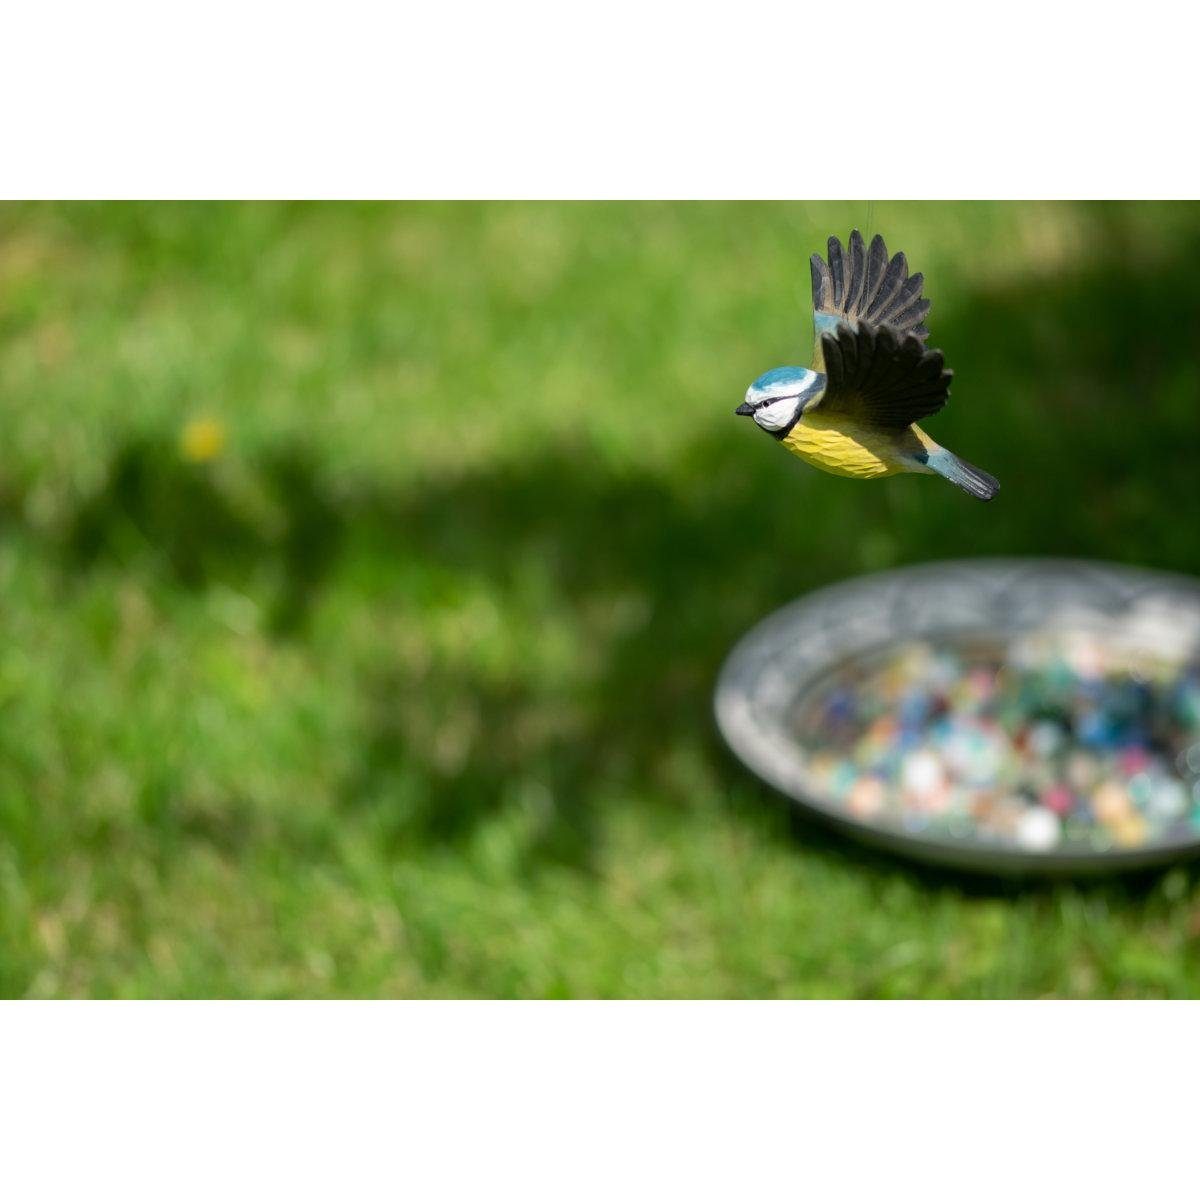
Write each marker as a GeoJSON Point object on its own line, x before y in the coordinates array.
{"type": "Point", "coordinates": [792, 654]}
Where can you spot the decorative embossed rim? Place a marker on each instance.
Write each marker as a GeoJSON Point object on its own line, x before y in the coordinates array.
{"type": "Point", "coordinates": [789, 651]}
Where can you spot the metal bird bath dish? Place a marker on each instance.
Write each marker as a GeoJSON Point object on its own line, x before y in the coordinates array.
{"type": "Point", "coordinates": [1013, 716]}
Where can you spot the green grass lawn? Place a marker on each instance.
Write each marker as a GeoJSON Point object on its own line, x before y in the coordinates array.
{"type": "Point", "coordinates": [404, 690]}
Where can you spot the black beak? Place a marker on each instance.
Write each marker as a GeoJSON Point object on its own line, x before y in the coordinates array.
{"type": "Point", "coordinates": [743, 409]}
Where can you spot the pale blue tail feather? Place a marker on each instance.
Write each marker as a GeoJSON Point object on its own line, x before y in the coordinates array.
{"type": "Point", "coordinates": [962, 474]}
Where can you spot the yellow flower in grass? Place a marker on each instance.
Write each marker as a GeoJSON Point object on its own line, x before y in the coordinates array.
{"type": "Point", "coordinates": [202, 439]}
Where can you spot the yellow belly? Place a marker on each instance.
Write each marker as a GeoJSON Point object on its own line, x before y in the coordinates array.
{"type": "Point", "coordinates": [852, 450]}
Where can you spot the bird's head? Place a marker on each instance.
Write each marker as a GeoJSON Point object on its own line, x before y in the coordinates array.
{"type": "Point", "coordinates": [777, 399]}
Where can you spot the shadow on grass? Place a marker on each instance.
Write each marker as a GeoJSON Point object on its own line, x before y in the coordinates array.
{"type": "Point", "coordinates": [1074, 391]}
{"type": "Point", "coordinates": [180, 520]}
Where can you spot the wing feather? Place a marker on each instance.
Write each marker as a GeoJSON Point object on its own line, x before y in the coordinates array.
{"type": "Point", "coordinates": [882, 376]}
{"type": "Point", "coordinates": [889, 289]}
{"type": "Point", "coordinates": [877, 265]}
{"type": "Point", "coordinates": [849, 349]}
{"type": "Point", "coordinates": [861, 285]}
{"type": "Point", "coordinates": [837, 272]}
{"type": "Point", "coordinates": [909, 293]}
{"type": "Point", "coordinates": [855, 273]}
{"type": "Point", "coordinates": [822, 283]}
{"type": "Point", "coordinates": [910, 314]}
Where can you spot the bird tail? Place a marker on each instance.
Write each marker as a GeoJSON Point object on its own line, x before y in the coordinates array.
{"type": "Point", "coordinates": [962, 474]}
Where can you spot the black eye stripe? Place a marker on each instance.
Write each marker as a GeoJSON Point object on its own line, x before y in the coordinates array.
{"type": "Point", "coordinates": [776, 399]}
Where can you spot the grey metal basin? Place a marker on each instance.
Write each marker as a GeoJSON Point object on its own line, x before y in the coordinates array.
{"type": "Point", "coordinates": [781, 661]}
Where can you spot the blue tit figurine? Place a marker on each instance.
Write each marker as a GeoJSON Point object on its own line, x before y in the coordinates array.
{"type": "Point", "coordinates": [854, 411]}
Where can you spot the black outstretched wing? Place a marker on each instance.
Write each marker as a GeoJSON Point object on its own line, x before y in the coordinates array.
{"type": "Point", "coordinates": [880, 377]}
{"type": "Point", "coordinates": [862, 285]}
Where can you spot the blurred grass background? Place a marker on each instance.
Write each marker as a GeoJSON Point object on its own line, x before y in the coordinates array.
{"type": "Point", "coordinates": [365, 570]}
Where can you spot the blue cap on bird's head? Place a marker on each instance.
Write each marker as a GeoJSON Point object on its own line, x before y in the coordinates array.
{"type": "Point", "coordinates": [780, 377]}
{"type": "Point", "coordinates": [777, 399]}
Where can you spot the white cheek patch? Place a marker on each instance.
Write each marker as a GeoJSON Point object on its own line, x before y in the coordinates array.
{"type": "Point", "coordinates": [779, 414]}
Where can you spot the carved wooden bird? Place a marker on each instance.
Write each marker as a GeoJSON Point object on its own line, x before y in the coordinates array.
{"type": "Point", "coordinates": [854, 412]}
